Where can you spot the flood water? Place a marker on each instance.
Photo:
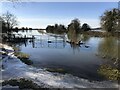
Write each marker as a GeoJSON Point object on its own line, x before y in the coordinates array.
{"type": "Point", "coordinates": [54, 52]}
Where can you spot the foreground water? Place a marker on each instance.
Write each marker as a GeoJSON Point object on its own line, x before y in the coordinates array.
{"type": "Point", "coordinates": [14, 68]}
{"type": "Point", "coordinates": [50, 51]}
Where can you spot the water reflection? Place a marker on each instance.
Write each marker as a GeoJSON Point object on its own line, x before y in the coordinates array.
{"type": "Point", "coordinates": [77, 40]}
{"type": "Point", "coordinates": [108, 48]}
{"type": "Point", "coordinates": [58, 41]}
{"type": "Point", "coordinates": [76, 37]}
{"type": "Point", "coordinates": [53, 51]}
{"type": "Point", "coordinates": [73, 36]}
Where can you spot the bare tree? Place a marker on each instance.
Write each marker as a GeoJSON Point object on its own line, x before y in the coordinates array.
{"type": "Point", "coordinates": [10, 20]}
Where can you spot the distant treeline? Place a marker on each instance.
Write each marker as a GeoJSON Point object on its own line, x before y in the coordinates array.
{"type": "Point", "coordinates": [56, 29]}
{"type": "Point", "coordinates": [96, 28]}
{"type": "Point", "coordinates": [26, 28]}
{"type": "Point", "coordinates": [74, 26]}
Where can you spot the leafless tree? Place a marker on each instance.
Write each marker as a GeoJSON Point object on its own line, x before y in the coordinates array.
{"type": "Point", "coordinates": [10, 20]}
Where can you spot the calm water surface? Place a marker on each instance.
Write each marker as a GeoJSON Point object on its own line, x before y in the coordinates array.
{"type": "Point", "coordinates": [52, 51]}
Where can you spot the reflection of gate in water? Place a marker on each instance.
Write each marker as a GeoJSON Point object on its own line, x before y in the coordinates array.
{"type": "Point", "coordinates": [49, 41]}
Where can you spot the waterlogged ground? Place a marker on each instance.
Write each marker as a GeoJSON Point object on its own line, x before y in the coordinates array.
{"type": "Point", "coordinates": [52, 51]}
{"type": "Point", "coordinates": [79, 64]}
{"type": "Point", "coordinates": [14, 68]}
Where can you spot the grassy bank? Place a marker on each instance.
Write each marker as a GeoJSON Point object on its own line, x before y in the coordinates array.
{"type": "Point", "coordinates": [23, 83]}
{"type": "Point", "coordinates": [23, 57]}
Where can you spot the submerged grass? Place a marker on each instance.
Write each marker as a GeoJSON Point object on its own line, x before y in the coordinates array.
{"type": "Point", "coordinates": [22, 55]}
{"type": "Point", "coordinates": [15, 48]}
{"type": "Point", "coordinates": [27, 61]}
{"type": "Point", "coordinates": [109, 72]}
{"type": "Point", "coordinates": [58, 70]}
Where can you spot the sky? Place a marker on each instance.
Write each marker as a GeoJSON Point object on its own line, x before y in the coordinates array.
{"type": "Point", "coordinates": [41, 14]}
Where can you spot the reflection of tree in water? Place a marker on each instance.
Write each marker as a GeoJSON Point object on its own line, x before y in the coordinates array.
{"type": "Point", "coordinates": [77, 37]}
{"type": "Point", "coordinates": [73, 37]}
{"type": "Point", "coordinates": [108, 48]}
{"type": "Point", "coordinates": [75, 48]}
